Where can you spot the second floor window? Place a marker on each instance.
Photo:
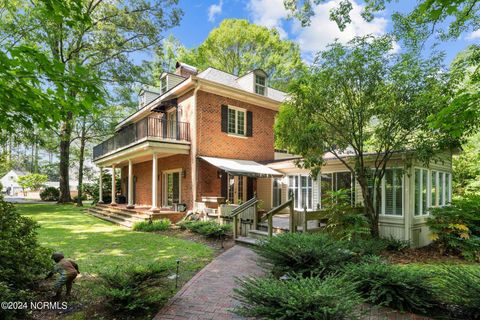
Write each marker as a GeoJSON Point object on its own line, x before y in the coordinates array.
{"type": "Point", "coordinates": [260, 84]}
{"type": "Point", "coordinates": [236, 121]}
{"type": "Point", "coordinates": [163, 84]}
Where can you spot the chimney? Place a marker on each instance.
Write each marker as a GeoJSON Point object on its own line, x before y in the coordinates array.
{"type": "Point", "coordinates": [185, 70]}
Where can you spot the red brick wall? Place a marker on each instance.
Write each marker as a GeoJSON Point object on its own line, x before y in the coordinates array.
{"type": "Point", "coordinates": [208, 182]}
{"type": "Point", "coordinates": [211, 141]}
{"type": "Point", "coordinates": [143, 172]}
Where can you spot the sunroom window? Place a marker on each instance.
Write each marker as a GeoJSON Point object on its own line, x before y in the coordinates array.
{"type": "Point", "coordinates": [393, 192]}
{"type": "Point", "coordinates": [302, 188]}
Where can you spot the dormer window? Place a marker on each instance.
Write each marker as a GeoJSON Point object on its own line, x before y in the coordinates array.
{"type": "Point", "coordinates": [260, 84]}
{"type": "Point", "coordinates": [163, 84]}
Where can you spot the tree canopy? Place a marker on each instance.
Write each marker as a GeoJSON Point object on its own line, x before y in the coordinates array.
{"type": "Point", "coordinates": [363, 100]}
{"type": "Point", "coordinates": [237, 47]}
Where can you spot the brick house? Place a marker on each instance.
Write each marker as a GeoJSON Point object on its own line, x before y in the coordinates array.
{"type": "Point", "coordinates": [200, 136]}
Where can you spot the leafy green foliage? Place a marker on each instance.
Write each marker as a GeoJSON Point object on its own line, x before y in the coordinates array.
{"type": "Point", "coordinates": [50, 194]}
{"type": "Point", "coordinates": [458, 288]}
{"type": "Point", "coordinates": [33, 181]}
{"type": "Point", "coordinates": [309, 253]}
{"type": "Point", "coordinates": [92, 189]}
{"type": "Point", "coordinates": [343, 221]}
{"type": "Point", "coordinates": [298, 298]}
{"type": "Point", "coordinates": [238, 47]}
{"type": "Point", "coordinates": [393, 286]}
{"type": "Point", "coordinates": [135, 289]}
{"type": "Point", "coordinates": [155, 225]}
{"type": "Point", "coordinates": [22, 260]}
{"type": "Point", "coordinates": [209, 229]}
{"type": "Point", "coordinates": [395, 245]}
{"type": "Point", "coordinates": [10, 294]}
{"type": "Point", "coordinates": [456, 228]}
{"type": "Point", "coordinates": [466, 166]}
{"type": "Point", "coordinates": [362, 99]}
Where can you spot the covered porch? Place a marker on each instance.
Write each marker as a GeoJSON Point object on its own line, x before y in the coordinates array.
{"type": "Point", "coordinates": [151, 176]}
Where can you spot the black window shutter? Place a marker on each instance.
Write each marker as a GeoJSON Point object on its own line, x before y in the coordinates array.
{"type": "Point", "coordinates": [224, 118]}
{"type": "Point", "coordinates": [249, 124]}
{"type": "Point", "coordinates": [224, 185]}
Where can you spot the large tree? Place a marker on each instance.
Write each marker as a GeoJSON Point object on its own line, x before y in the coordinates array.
{"type": "Point", "coordinates": [96, 35]}
{"type": "Point", "coordinates": [237, 47]}
{"type": "Point", "coordinates": [362, 99]}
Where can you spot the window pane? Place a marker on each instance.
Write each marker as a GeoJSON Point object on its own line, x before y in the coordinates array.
{"type": "Point", "coordinates": [277, 192]}
{"type": "Point", "coordinates": [310, 193]}
{"type": "Point", "coordinates": [176, 187]}
{"type": "Point", "coordinates": [398, 193]}
{"type": "Point", "coordinates": [343, 181]}
{"type": "Point", "coordinates": [325, 185]}
{"type": "Point", "coordinates": [304, 191]}
{"type": "Point", "coordinates": [231, 121]}
{"type": "Point", "coordinates": [424, 191]}
{"type": "Point", "coordinates": [240, 122]}
{"type": "Point", "coordinates": [296, 192]}
{"type": "Point", "coordinates": [433, 191]}
{"type": "Point", "coordinates": [259, 90]}
{"type": "Point", "coordinates": [259, 80]}
{"type": "Point", "coordinates": [448, 190]}
{"type": "Point", "coordinates": [389, 192]}
{"type": "Point", "coordinates": [417, 192]}
{"type": "Point", "coordinates": [240, 189]}
{"type": "Point", "coordinates": [441, 198]}
{"type": "Point", "coordinates": [231, 189]}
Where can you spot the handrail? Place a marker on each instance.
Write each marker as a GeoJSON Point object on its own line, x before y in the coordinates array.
{"type": "Point", "coordinates": [244, 206]}
{"type": "Point", "coordinates": [277, 209]}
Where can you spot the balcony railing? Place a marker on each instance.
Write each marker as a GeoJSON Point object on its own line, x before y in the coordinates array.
{"type": "Point", "coordinates": [150, 127]}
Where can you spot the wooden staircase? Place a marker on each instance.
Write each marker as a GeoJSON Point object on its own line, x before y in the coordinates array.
{"type": "Point", "coordinates": [249, 229]}
{"type": "Point", "coordinates": [123, 217]}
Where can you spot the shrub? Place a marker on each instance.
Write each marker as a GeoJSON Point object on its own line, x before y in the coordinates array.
{"type": "Point", "coordinates": [366, 247]}
{"type": "Point", "coordinates": [155, 225]}
{"type": "Point", "coordinates": [298, 298]}
{"type": "Point", "coordinates": [209, 229]}
{"type": "Point", "coordinates": [22, 260]}
{"type": "Point", "coordinates": [32, 181]}
{"type": "Point", "coordinates": [91, 190]}
{"type": "Point", "coordinates": [343, 221]}
{"type": "Point", "coordinates": [393, 244]}
{"type": "Point", "coordinates": [75, 198]}
{"type": "Point", "coordinates": [305, 254]}
{"type": "Point", "coordinates": [9, 294]}
{"type": "Point", "coordinates": [135, 289]}
{"type": "Point", "coordinates": [458, 287]}
{"type": "Point", "coordinates": [50, 194]}
{"type": "Point", "coordinates": [393, 286]}
{"type": "Point", "coordinates": [456, 228]}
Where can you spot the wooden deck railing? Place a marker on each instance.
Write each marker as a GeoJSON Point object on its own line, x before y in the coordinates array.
{"type": "Point", "coordinates": [150, 127]}
{"type": "Point", "coordinates": [245, 211]}
{"type": "Point", "coordinates": [277, 210]}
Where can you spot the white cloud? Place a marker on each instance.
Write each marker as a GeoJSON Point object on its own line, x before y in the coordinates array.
{"type": "Point", "coordinates": [269, 13]}
{"type": "Point", "coordinates": [474, 35]}
{"type": "Point", "coordinates": [214, 10]}
{"type": "Point", "coordinates": [322, 30]}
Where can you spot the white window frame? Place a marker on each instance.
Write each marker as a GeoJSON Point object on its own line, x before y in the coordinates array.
{"type": "Point", "coordinates": [384, 196]}
{"type": "Point", "coordinates": [165, 187]}
{"type": "Point", "coordinates": [161, 85]}
{"type": "Point", "coordinates": [309, 192]}
{"type": "Point", "coordinates": [256, 84]}
{"type": "Point", "coordinates": [428, 193]}
{"type": "Point", "coordinates": [237, 110]}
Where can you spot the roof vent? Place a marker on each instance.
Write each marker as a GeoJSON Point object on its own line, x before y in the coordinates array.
{"type": "Point", "coordinates": [185, 70]}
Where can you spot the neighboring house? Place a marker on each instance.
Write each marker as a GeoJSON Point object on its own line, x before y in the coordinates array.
{"type": "Point", "coordinates": [10, 183]}
{"type": "Point", "coordinates": [208, 137]}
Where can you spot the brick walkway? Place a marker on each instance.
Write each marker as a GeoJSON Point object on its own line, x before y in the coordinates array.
{"type": "Point", "coordinates": [208, 294]}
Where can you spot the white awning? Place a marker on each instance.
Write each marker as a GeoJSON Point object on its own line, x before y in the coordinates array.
{"type": "Point", "coordinates": [248, 168]}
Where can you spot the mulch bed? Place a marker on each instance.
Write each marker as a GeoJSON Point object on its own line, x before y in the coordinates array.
{"type": "Point", "coordinates": [428, 254]}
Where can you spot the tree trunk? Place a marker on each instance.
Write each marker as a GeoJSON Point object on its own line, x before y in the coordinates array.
{"type": "Point", "coordinates": [83, 139]}
{"type": "Point", "coordinates": [369, 207]}
{"type": "Point", "coordinates": [65, 136]}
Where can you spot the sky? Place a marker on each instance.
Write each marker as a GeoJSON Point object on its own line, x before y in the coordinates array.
{"type": "Point", "coordinates": [201, 16]}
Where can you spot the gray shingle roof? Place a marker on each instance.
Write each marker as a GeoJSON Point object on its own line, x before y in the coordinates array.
{"type": "Point", "coordinates": [230, 80]}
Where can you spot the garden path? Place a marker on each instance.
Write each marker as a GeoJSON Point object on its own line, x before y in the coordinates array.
{"type": "Point", "coordinates": [208, 295]}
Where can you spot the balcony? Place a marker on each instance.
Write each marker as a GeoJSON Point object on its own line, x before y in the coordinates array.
{"type": "Point", "coordinates": [149, 128]}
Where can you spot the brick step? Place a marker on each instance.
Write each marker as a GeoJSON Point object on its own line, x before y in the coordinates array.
{"type": "Point", "coordinates": [112, 215]}
{"type": "Point", "coordinates": [247, 241]}
{"type": "Point", "coordinates": [125, 220]}
{"type": "Point", "coordinates": [122, 211]}
{"type": "Point", "coordinates": [127, 224]}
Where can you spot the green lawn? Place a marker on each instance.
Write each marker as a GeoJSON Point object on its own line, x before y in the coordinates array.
{"type": "Point", "coordinates": [96, 244]}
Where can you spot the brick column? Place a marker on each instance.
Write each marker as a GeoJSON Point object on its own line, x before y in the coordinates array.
{"type": "Point", "coordinates": [100, 187]}
{"type": "Point", "coordinates": [130, 185]}
{"type": "Point", "coordinates": [114, 186]}
{"type": "Point", "coordinates": [154, 207]}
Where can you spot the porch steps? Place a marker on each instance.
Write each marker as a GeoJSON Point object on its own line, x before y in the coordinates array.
{"type": "Point", "coordinates": [117, 215]}
{"type": "Point", "coordinates": [247, 241]}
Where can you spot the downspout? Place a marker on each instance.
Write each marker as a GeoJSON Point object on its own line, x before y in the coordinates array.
{"type": "Point", "coordinates": [194, 141]}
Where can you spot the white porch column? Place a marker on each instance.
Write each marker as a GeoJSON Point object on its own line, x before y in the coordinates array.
{"type": "Point", "coordinates": [100, 187]}
{"type": "Point", "coordinates": [114, 185]}
{"type": "Point", "coordinates": [130, 185]}
{"type": "Point", "coordinates": [154, 207]}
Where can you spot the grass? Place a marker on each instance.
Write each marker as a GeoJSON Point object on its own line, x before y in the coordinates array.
{"type": "Point", "coordinates": [98, 245]}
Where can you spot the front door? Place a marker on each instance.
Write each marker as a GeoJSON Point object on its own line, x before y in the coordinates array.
{"type": "Point", "coordinates": [172, 124]}
{"type": "Point", "coordinates": [237, 189]}
{"type": "Point", "coordinates": [171, 187]}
